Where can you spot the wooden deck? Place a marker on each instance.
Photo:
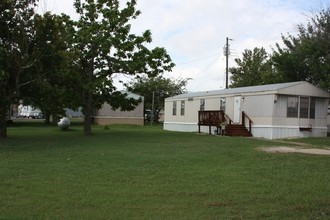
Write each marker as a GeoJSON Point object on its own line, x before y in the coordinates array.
{"type": "Point", "coordinates": [219, 119]}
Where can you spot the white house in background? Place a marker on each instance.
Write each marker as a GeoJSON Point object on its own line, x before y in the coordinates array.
{"type": "Point", "coordinates": [28, 111]}
{"type": "Point", "coordinates": [286, 110]}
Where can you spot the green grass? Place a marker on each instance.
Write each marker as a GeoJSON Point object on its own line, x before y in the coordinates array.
{"type": "Point", "coordinates": [314, 142]}
{"type": "Point", "coordinates": [128, 172]}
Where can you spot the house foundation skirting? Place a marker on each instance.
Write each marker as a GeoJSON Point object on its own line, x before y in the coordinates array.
{"type": "Point", "coordinates": [183, 127]}
{"type": "Point", "coordinates": [187, 127]}
{"type": "Point", "coordinates": [278, 132]}
{"type": "Point", "coordinates": [261, 131]}
{"type": "Point", "coordinates": [119, 120]}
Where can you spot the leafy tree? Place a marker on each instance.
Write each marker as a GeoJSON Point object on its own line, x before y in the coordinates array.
{"type": "Point", "coordinates": [158, 87]}
{"type": "Point", "coordinates": [255, 68]}
{"type": "Point", "coordinates": [54, 88]}
{"type": "Point", "coordinates": [16, 53]}
{"type": "Point", "coordinates": [307, 56]}
{"type": "Point", "coordinates": [105, 46]}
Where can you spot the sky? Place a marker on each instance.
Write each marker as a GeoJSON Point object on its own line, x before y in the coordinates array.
{"type": "Point", "coordinates": [194, 32]}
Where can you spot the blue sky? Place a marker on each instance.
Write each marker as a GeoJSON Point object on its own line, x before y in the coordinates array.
{"type": "Point", "coordinates": [194, 32]}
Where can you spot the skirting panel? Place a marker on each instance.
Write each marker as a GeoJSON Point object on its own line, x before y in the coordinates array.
{"type": "Point", "coordinates": [277, 132]}
{"type": "Point", "coordinates": [268, 132]}
{"type": "Point", "coordinates": [183, 127]}
{"type": "Point", "coordinates": [187, 127]}
{"type": "Point", "coordinates": [112, 121]}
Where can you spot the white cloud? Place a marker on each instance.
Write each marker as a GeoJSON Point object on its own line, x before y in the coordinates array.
{"type": "Point", "coordinates": [194, 29]}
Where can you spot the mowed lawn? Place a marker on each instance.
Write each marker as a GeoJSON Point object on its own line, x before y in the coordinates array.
{"type": "Point", "coordinates": [128, 172]}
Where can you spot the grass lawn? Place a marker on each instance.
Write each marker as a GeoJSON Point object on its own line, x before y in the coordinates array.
{"type": "Point", "coordinates": [128, 172]}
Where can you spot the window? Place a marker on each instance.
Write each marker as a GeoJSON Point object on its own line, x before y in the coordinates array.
{"type": "Point", "coordinates": [304, 105]}
{"type": "Point", "coordinates": [202, 105]}
{"type": "Point", "coordinates": [174, 107]}
{"type": "Point", "coordinates": [182, 107]}
{"type": "Point", "coordinates": [223, 104]}
{"type": "Point", "coordinates": [292, 110]}
{"type": "Point", "coordinates": [312, 108]}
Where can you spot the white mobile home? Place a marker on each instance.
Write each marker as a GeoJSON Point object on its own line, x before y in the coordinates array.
{"type": "Point", "coordinates": [286, 110]}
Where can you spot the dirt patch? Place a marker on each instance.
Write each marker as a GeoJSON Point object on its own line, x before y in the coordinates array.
{"type": "Point", "coordinates": [296, 150]}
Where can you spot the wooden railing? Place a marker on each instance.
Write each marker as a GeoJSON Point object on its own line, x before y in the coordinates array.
{"type": "Point", "coordinates": [217, 118]}
{"type": "Point", "coordinates": [228, 119]}
{"type": "Point", "coordinates": [245, 116]}
{"type": "Point", "coordinates": [212, 118]}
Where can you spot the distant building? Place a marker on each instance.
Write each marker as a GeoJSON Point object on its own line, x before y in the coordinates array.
{"type": "Point", "coordinates": [107, 116]}
{"type": "Point", "coordinates": [74, 113]}
{"type": "Point", "coordinates": [28, 111]}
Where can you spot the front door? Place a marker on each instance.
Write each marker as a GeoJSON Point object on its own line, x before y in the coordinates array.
{"type": "Point", "coordinates": [237, 109]}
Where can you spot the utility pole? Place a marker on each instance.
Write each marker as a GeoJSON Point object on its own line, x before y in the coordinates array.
{"type": "Point", "coordinates": [227, 52]}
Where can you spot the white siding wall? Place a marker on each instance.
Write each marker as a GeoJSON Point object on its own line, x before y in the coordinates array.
{"type": "Point", "coordinates": [267, 111]}
{"type": "Point", "coordinates": [260, 108]}
{"type": "Point", "coordinates": [284, 127]}
{"type": "Point", "coordinates": [189, 121]}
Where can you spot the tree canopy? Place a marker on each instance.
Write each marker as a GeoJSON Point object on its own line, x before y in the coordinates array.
{"type": "Point", "coordinates": [104, 46]}
{"type": "Point", "coordinates": [155, 90]}
{"type": "Point", "coordinates": [16, 53]}
{"type": "Point", "coordinates": [255, 68]}
{"type": "Point", "coordinates": [53, 62]}
{"type": "Point", "coordinates": [305, 57]}
{"type": "Point", "coordinates": [55, 79]}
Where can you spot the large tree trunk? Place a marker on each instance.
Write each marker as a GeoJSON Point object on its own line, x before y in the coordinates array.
{"type": "Point", "coordinates": [3, 122]}
{"type": "Point", "coordinates": [88, 101]}
{"type": "Point", "coordinates": [47, 118]}
{"type": "Point", "coordinates": [88, 114]}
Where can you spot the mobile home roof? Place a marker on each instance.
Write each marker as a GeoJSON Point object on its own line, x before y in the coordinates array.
{"type": "Point", "coordinates": [275, 88]}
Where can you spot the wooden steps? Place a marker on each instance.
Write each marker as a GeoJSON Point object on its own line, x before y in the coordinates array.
{"type": "Point", "coordinates": [237, 130]}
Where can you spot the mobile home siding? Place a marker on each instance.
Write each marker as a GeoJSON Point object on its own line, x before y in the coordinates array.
{"type": "Point", "coordinates": [107, 116]}
{"type": "Point", "coordinates": [189, 121]}
{"type": "Point", "coordinates": [266, 105]}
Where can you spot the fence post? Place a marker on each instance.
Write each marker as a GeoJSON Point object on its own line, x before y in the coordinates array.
{"type": "Point", "coordinates": [243, 118]}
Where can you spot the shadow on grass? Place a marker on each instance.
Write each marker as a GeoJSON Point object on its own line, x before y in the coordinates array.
{"type": "Point", "coordinates": [41, 123]}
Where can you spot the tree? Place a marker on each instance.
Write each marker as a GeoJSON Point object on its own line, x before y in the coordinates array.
{"type": "Point", "coordinates": [307, 56]}
{"type": "Point", "coordinates": [157, 88]}
{"type": "Point", "coordinates": [105, 46]}
{"type": "Point", "coordinates": [16, 53]}
{"type": "Point", "coordinates": [54, 88]}
{"type": "Point", "coordinates": [255, 68]}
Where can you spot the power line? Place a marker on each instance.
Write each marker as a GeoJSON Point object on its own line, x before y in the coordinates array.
{"type": "Point", "coordinates": [208, 66]}
{"type": "Point", "coordinates": [198, 59]}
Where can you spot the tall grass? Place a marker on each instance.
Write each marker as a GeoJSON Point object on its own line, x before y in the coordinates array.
{"type": "Point", "coordinates": [128, 172]}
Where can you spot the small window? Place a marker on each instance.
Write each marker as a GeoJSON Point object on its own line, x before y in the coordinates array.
{"type": "Point", "coordinates": [304, 104]}
{"type": "Point", "coordinates": [223, 104]}
{"type": "Point", "coordinates": [182, 107]}
{"type": "Point", "coordinates": [202, 105]}
{"type": "Point", "coordinates": [292, 110]}
{"type": "Point", "coordinates": [312, 108]}
{"type": "Point", "coordinates": [174, 107]}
